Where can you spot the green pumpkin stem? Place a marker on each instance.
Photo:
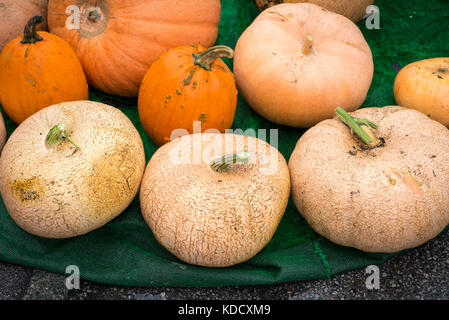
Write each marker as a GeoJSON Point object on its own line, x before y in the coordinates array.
{"type": "Point", "coordinates": [29, 34]}
{"type": "Point", "coordinates": [57, 134]}
{"type": "Point", "coordinates": [361, 127]}
{"type": "Point", "coordinates": [222, 164]}
{"type": "Point", "coordinates": [206, 58]}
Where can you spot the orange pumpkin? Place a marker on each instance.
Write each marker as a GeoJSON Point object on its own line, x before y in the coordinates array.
{"type": "Point", "coordinates": [185, 85]}
{"type": "Point", "coordinates": [14, 15]}
{"type": "Point", "coordinates": [37, 70]}
{"type": "Point", "coordinates": [424, 86]}
{"type": "Point", "coordinates": [117, 40]}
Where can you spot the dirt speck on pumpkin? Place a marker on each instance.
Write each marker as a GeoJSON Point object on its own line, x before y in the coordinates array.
{"type": "Point", "coordinates": [28, 189]}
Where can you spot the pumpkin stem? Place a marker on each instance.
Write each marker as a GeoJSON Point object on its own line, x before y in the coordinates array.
{"type": "Point", "coordinates": [29, 34]}
{"type": "Point", "coordinates": [206, 58]}
{"type": "Point", "coordinates": [57, 134]}
{"type": "Point", "coordinates": [93, 15]}
{"type": "Point", "coordinates": [307, 48]}
{"type": "Point", "coordinates": [222, 164]}
{"type": "Point", "coordinates": [361, 127]}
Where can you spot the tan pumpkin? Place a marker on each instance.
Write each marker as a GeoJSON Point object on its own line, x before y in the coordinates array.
{"type": "Point", "coordinates": [383, 194]}
{"type": "Point", "coordinates": [215, 199]}
{"type": "Point", "coordinates": [424, 86]}
{"type": "Point", "coordinates": [297, 62]}
{"type": "Point", "coordinates": [352, 9]}
{"type": "Point", "coordinates": [70, 168]}
{"type": "Point", "coordinates": [117, 40]}
{"type": "Point", "coordinates": [14, 14]}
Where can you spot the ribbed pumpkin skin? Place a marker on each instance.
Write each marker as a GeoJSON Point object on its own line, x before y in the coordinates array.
{"type": "Point", "coordinates": [35, 76]}
{"type": "Point", "coordinates": [117, 49]}
{"type": "Point", "coordinates": [170, 98]}
{"type": "Point", "coordinates": [14, 14]}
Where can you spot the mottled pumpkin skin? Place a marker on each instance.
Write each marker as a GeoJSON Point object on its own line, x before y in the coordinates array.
{"type": "Point", "coordinates": [35, 76]}
{"type": "Point", "coordinates": [424, 86]}
{"type": "Point", "coordinates": [117, 40]}
{"type": "Point", "coordinates": [14, 14]}
{"type": "Point", "coordinates": [175, 93]}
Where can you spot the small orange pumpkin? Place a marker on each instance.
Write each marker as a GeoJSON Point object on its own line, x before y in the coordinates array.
{"type": "Point", "coordinates": [37, 70]}
{"type": "Point", "coordinates": [185, 85]}
{"type": "Point", "coordinates": [424, 86]}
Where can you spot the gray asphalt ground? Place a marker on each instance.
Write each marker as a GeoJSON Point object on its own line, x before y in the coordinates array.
{"type": "Point", "coordinates": [419, 274]}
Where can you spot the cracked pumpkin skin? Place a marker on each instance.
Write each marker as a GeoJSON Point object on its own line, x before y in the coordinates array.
{"type": "Point", "coordinates": [297, 62]}
{"type": "Point", "coordinates": [55, 192]}
{"type": "Point", "coordinates": [209, 218]}
{"type": "Point", "coordinates": [424, 86]}
{"type": "Point", "coordinates": [386, 199]}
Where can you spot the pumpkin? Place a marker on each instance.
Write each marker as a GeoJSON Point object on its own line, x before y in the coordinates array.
{"type": "Point", "coordinates": [385, 191]}
{"type": "Point", "coordinates": [297, 62]}
{"type": "Point", "coordinates": [70, 168]}
{"type": "Point", "coordinates": [37, 70]}
{"type": "Point", "coordinates": [352, 9]}
{"type": "Point", "coordinates": [188, 88]}
{"type": "Point", "coordinates": [15, 14]}
{"type": "Point", "coordinates": [214, 199]}
{"type": "Point", "coordinates": [117, 40]}
{"type": "Point", "coordinates": [424, 86]}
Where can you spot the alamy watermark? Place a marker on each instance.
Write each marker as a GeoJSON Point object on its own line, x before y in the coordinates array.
{"type": "Point", "coordinates": [373, 280]}
{"type": "Point", "coordinates": [73, 280]}
{"type": "Point", "coordinates": [372, 17]}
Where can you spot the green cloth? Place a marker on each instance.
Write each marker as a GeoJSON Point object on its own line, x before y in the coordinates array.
{"type": "Point", "coordinates": [125, 252]}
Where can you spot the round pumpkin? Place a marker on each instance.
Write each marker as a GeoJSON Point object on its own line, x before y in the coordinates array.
{"type": "Point", "coordinates": [352, 9]}
{"type": "Point", "coordinates": [297, 62]}
{"type": "Point", "coordinates": [187, 89]}
{"type": "Point", "coordinates": [376, 197]}
{"type": "Point", "coordinates": [424, 86]}
{"type": "Point", "coordinates": [37, 70]}
{"type": "Point", "coordinates": [15, 14]}
{"type": "Point", "coordinates": [70, 168]}
{"type": "Point", "coordinates": [117, 40]}
{"type": "Point", "coordinates": [215, 199]}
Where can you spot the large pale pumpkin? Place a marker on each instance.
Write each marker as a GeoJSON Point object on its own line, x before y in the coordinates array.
{"type": "Point", "coordinates": [215, 200]}
{"type": "Point", "coordinates": [352, 9]}
{"type": "Point", "coordinates": [297, 62]}
{"type": "Point", "coordinates": [117, 40]}
{"type": "Point", "coordinates": [14, 14]}
{"type": "Point", "coordinates": [187, 89]}
{"type": "Point", "coordinates": [376, 197]}
{"type": "Point", "coordinates": [37, 70]}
